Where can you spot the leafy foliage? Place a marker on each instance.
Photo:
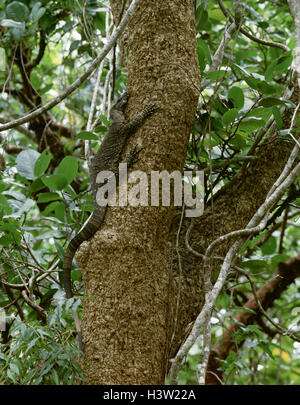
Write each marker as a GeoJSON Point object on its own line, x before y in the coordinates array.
{"type": "Point", "coordinates": [45, 197]}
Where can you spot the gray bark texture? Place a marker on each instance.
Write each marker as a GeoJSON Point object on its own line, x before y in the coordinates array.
{"type": "Point", "coordinates": [126, 265]}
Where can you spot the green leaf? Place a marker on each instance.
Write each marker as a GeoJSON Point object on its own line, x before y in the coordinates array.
{"type": "Point", "coordinates": [11, 376]}
{"type": "Point", "coordinates": [251, 124]}
{"type": "Point", "coordinates": [2, 186]}
{"type": "Point", "coordinates": [18, 33]}
{"type": "Point", "coordinates": [55, 181]}
{"type": "Point", "coordinates": [37, 185]}
{"type": "Point", "coordinates": [252, 82]}
{"type": "Point", "coordinates": [5, 208]}
{"type": "Point", "coordinates": [238, 141]}
{"type": "Point", "coordinates": [37, 11]}
{"type": "Point", "coordinates": [216, 75]}
{"type": "Point", "coordinates": [266, 348]}
{"type": "Point", "coordinates": [230, 116]}
{"type": "Point", "coordinates": [15, 368]}
{"type": "Point", "coordinates": [278, 66]}
{"type": "Point", "coordinates": [68, 167]}
{"type": "Point", "coordinates": [36, 80]}
{"type": "Point", "coordinates": [2, 59]}
{"type": "Point", "coordinates": [259, 85]}
{"type": "Point", "coordinates": [269, 247]}
{"type": "Point", "coordinates": [42, 163]}
{"type": "Point", "coordinates": [12, 234]}
{"type": "Point", "coordinates": [255, 265]}
{"type": "Point", "coordinates": [17, 28]}
{"type": "Point", "coordinates": [74, 45]}
{"type": "Point", "coordinates": [6, 22]}
{"type": "Point", "coordinates": [260, 112]}
{"type": "Point", "coordinates": [17, 11]}
{"type": "Point", "coordinates": [46, 88]}
{"type": "Point", "coordinates": [59, 211]}
{"type": "Point", "coordinates": [201, 59]}
{"type": "Point", "coordinates": [205, 49]}
{"type": "Point", "coordinates": [50, 208]}
{"type": "Point", "coordinates": [237, 96]}
{"type": "Point", "coordinates": [250, 311]}
{"type": "Point", "coordinates": [242, 71]}
{"type": "Point", "coordinates": [31, 344]}
{"type": "Point", "coordinates": [100, 128]}
{"type": "Point", "coordinates": [279, 258]}
{"type": "Point", "coordinates": [25, 163]}
{"type": "Point", "coordinates": [277, 116]}
{"type": "Point", "coordinates": [201, 18]}
{"type": "Point", "coordinates": [55, 376]}
{"type": "Point", "coordinates": [104, 120]}
{"type": "Point", "coordinates": [270, 101]}
{"type": "Point", "coordinates": [59, 249]}
{"type": "Point", "coordinates": [46, 197]}
{"type": "Point", "coordinates": [265, 88]}
{"type": "Point", "coordinates": [87, 136]}
{"type": "Point", "coordinates": [24, 208]}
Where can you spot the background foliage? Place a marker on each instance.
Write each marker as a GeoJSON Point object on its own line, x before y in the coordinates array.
{"type": "Point", "coordinates": [44, 188]}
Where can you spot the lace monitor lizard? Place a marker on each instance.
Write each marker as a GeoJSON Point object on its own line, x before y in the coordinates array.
{"type": "Point", "coordinates": [108, 157]}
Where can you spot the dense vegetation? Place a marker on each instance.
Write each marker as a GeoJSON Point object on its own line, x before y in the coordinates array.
{"type": "Point", "coordinates": [45, 197]}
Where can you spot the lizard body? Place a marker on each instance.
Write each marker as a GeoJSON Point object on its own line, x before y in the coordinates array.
{"type": "Point", "coordinates": [107, 158]}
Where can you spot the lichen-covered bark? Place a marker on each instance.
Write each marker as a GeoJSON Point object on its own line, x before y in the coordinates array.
{"type": "Point", "coordinates": [126, 267]}
{"type": "Point", "coordinates": [130, 267]}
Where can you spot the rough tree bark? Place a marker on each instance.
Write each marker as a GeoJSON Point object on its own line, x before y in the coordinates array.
{"type": "Point", "coordinates": [131, 267]}
{"type": "Point", "coordinates": [126, 267]}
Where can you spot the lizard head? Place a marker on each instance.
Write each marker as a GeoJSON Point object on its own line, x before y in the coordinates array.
{"type": "Point", "coordinates": [117, 111]}
{"type": "Point", "coordinates": [121, 103]}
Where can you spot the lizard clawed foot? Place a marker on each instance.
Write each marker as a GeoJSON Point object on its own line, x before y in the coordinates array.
{"type": "Point", "coordinates": [132, 158]}
{"type": "Point", "coordinates": [150, 109]}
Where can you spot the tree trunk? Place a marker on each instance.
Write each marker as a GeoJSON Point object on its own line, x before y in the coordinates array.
{"type": "Point", "coordinates": [132, 269]}
{"type": "Point", "coordinates": [126, 266]}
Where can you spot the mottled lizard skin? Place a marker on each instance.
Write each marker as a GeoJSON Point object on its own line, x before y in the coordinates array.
{"type": "Point", "coordinates": [108, 157]}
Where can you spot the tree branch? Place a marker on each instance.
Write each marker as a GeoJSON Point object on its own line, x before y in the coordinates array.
{"type": "Point", "coordinates": [287, 272]}
{"type": "Point", "coordinates": [250, 36]}
{"type": "Point", "coordinates": [20, 128]}
{"type": "Point", "coordinates": [42, 47]}
{"type": "Point", "coordinates": [69, 90]}
{"type": "Point", "coordinates": [256, 221]}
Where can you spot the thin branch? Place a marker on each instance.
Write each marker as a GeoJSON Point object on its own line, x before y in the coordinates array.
{"type": "Point", "coordinates": [21, 129]}
{"type": "Point", "coordinates": [295, 11]}
{"type": "Point", "coordinates": [33, 305]}
{"type": "Point", "coordinates": [10, 70]}
{"type": "Point", "coordinates": [89, 126]}
{"type": "Point", "coordinates": [250, 36]}
{"type": "Point", "coordinates": [286, 274]}
{"type": "Point", "coordinates": [292, 125]}
{"type": "Point", "coordinates": [42, 47]}
{"type": "Point", "coordinates": [219, 54]}
{"type": "Point", "coordinates": [279, 328]}
{"type": "Point", "coordinates": [211, 296]}
{"type": "Point", "coordinates": [228, 162]}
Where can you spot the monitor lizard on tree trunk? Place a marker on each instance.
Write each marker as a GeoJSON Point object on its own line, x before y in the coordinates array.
{"type": "Point", "coordinates": [107, 158]}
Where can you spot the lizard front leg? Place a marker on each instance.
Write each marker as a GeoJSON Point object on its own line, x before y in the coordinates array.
{"type": "Point", "coordinates": [132, 158]}
{"type": "Point", "coordinates": [140, 118]}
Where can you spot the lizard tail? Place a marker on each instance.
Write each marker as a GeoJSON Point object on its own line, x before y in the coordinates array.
{"type": "Point", "coordinates": [87, 231]}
